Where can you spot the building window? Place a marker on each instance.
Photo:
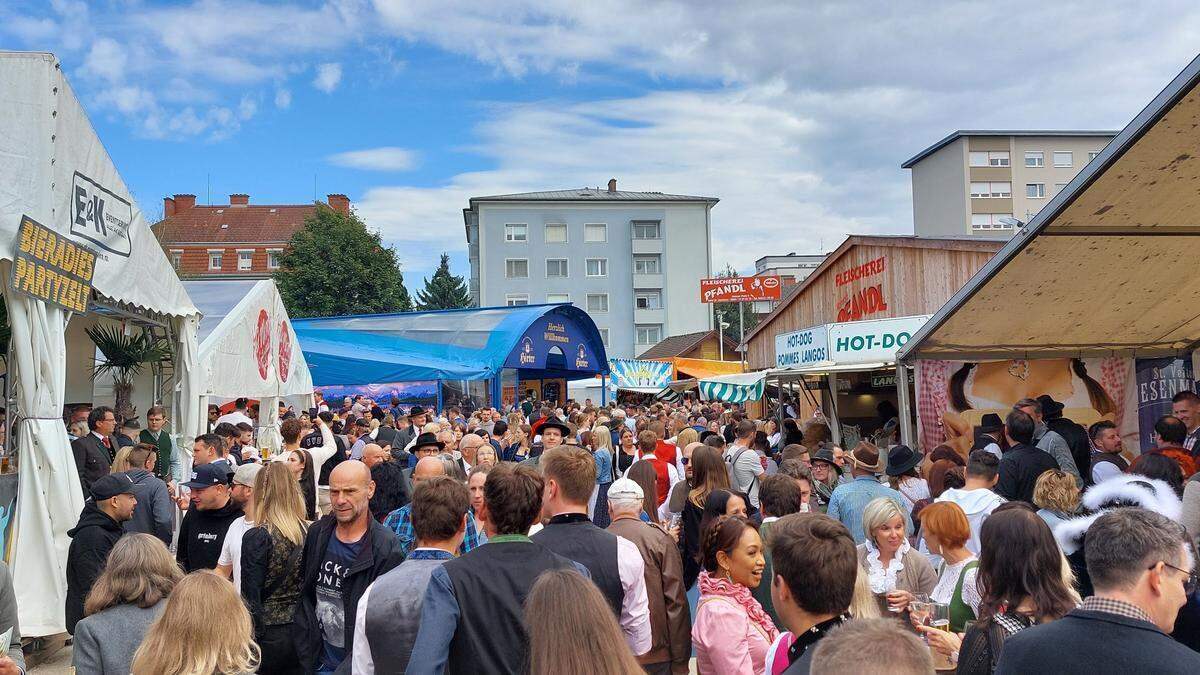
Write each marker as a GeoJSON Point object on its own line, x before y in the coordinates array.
{"type": "Point", "coordinates": [176, 259]}
{"type": "Point", "coordinates": [648, 300]}
{"type": "Point", "coordinates": [603, 336]}
{"type": "Point", "coordinates": [516, 268]}
{"type": "Point", "coordinates": [991, 190]}
{"type": "Point", "coordinates": [245, 260]}
{"type": "Point", "coordinates": [649, 335]}
{"type": "Point", "coordinates": [1062, 160]}
{"type": "Point", "coordinates": [1035, 159]}
{"type": "Point", "coordinates": [556, 267]}
{"type": "Point", "coordinates": [990, 221]}
{"type": "Point", "coordinates": [597, 302]}
{"type": "Point", "coordinates": [1092, 155]}
{"type": "Point", "coordinates": [645, 230]}
{"type": "Point", "coordinates": [595, 233]}
{"type": "Point", "coordinates": [558, 297]}
{"type": "Point", "coordinates": [1035, 190]}
{"type": "Point", "coordinates": [556, 233]}
{"type": "Point", "coordinates": [516, 300]}
{"type": "Point", "coordinates": [992, 158]}
{"type": "Point", "coordinates": [645, 264]}
{"type": "Point", "coordinates": [214, 260]}
{"type": "Point", "coordinates": [516, 232]}
{"type": "Point", "coordinates": [1058, 187]}
{"type": "Point", "coordinates": [597, 267]}
{"type": "Point", "coordinates": [273, 258]}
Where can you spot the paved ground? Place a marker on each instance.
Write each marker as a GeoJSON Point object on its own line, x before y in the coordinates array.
{"type": "Point", "coordinates": [59, 663]}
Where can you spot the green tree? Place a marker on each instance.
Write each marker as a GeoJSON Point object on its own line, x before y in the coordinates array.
{"type": "Point", "coordinates": [335, 266]}
{"type": "Point", "coordinates": [728, 311]}
{"type": "Point", "coordinates": [444, 290]}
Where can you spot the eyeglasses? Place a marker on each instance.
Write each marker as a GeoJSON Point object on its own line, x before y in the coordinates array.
{"type": "Point", "coordinates": [1189, 584]}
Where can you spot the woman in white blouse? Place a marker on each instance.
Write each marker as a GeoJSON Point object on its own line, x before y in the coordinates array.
{"type": "Point", "coordinates": [896, 571]}
{"type": "Point", "coordinates": [946, 530]}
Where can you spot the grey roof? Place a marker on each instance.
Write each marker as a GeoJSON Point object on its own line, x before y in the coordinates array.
{"type": "Point", "coordinates": [962, 133]}
{"type": "Point", "coordinates": [587, 194]}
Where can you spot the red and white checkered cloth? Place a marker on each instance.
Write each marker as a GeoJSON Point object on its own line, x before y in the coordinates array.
{"type": "Point", "coordinates": [932, 400]}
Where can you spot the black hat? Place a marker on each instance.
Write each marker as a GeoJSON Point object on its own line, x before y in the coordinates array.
{"type": "Point", "coordinates": [131, 423]}
{"type": "Point", "coordinates": [1050, 408]}
{"type": "Point", "coordinates": [426, 440]}
{"type": "Point", "coordinates": [826, 455]}
{"type": "Point", "coordinates": [555, 423]}
{"type": "Point", "coordinates": [416, 410]}
{"type": "Point", "coordinates": [208, 475]}
{"type": "Point", "coordinates": [991, 423]}
{"type": "Point", "coordinates": [901, 458]}
{"type": "Point", "coordinates": [107, 487]}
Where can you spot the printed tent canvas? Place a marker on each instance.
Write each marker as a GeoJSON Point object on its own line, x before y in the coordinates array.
{"type": "Point", "coordinates": [54, 170]}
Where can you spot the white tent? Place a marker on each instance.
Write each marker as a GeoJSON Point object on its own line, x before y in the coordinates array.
{"type": "Point", "coordinates": [247, 348]}
{"type": "Point", "coordinates": [54, 169]}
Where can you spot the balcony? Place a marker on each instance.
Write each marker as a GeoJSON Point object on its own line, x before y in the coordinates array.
{"type": "Point", "coordinates": [647, 246]}
{"type": "Point", "coordinates": [647, 281]}
{"type": "Point", "coordinates": [649, 316]}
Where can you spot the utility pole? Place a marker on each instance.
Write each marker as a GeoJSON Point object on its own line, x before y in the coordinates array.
{"type": "Point", "coordinates": [742, 332]}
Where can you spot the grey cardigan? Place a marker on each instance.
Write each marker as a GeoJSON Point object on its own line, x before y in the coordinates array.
{"type": "Point", "coordinates": [8, 616]}
{"type": "Point", "coordinates": [105, 641]}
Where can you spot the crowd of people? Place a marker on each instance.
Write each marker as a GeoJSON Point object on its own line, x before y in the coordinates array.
{"type": "Point", "coordinates": [654, 537]}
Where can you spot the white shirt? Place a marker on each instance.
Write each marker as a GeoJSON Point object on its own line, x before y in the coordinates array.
{"type": "Point", "coordinates": [231, 549]}
{"type": "Point", "coordinates": [319, 455]}
{"type": "Point", "coordinates": [944, 591]}
{"type": "Point", "coordinates": [1104, 470]}
{"type": "Point", "coordinates": [235, 418]}
{"type": "Point", "coordinates": [635, 607]}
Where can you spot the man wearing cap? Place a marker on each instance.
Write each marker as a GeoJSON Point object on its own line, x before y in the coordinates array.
{"type": "Point", "coordinates": [847, 502]}
{"type": "Point", "coordinates": [130, 429]}
{"type": "Point", "coordinates": [241, 493]}
{"type": "Point", "coordinates": [826, 474]}
{"type": "Point", "coordinates": [424, 445]}
{"type": "Point", "coordinates": [202, 532]}
{"type": "Point", "coordinates": [991, 432]}
{"type": "Point", "coordinates": [1073, 433]}
{"type": "Point", "coordinates": [670, 619]}
{"type": "Point", "coordinates": [111, 503]}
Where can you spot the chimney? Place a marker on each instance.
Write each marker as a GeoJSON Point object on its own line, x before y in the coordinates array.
{"type": "Point", "coordinates": [184, 202]}
{"type": "Point", "coordinates": [168, 207]}
{"type": "Point", "coordinates": [339, 203]}
{"type": "Point", "coordinates": [612, 184]}
{"type": "Point", "coordinates": [239, 199]}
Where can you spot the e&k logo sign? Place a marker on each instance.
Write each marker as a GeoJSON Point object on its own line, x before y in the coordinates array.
{"type": "Point", "coordinates": [100, 216]}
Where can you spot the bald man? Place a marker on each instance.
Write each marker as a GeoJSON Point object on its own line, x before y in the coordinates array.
{"type": "Point", "coordinates": [400, 520]}
{"type": "Point", "coordinates": [391, 485]}
{"type": "Point", "coordinates": [343, 553]}
{"type": "Point", "coordinates": [468, 446]}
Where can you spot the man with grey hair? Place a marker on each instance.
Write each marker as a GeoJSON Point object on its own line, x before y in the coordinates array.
{"type": "Point", "coordinates": [670, 620]}
{"type": "Point", "coordinates": [1049, 441]}
{"type": "Point", "coordinates": [1143, 570]}
{"type": "Point", "coordinates": [873, 647]}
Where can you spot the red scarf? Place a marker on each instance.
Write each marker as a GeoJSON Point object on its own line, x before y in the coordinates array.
{"type": "Point", "coordinates": [710, 585]}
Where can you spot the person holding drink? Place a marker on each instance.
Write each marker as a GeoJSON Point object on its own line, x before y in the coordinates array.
{"type": "Point", "coordinates": [896, 571]}
{"type": "Point", "coordinates": [946, 531]}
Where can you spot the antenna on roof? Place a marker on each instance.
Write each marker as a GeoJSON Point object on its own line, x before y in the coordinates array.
{"type": "Point", "coordinates": [314, 186]}
{"type": "Point", "coordinates": [209, 195]}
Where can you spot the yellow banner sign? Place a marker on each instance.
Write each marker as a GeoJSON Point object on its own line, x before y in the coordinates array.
{"type": "Point", "coordinates": [52, 268]}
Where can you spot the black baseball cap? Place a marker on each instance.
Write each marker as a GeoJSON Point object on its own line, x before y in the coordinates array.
{"type": "Point", "coordinates": [208, 475]}
{"type": "Point", "coordinates": [107, 487]}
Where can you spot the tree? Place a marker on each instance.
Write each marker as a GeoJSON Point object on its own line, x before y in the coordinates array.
{"type": "Point", "coordinates": [124, 356]}
{"type": "Point", "coordinates": [335, 266]}
{"type": "Point", "coordinates": [728, 311]}
{"type": "Point", "coordinates": [444, 290]}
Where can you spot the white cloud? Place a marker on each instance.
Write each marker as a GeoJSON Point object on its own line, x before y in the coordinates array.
{"type": "Point", "coordinates": [247, 107]}
{"type": "Point", "coordinates": [376, 159]}
{"type": "Point", "coordinates": [328, 77]}
{"type": "Point", "coordinates": [283, 99]}
{"type": "Point", "coordinates": [106, 59]}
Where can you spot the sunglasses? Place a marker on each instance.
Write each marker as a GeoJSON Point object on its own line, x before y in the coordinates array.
{"type": "Point", "coordinates": [1189, 584]}
{"type": "Point", "coordinates": [684, 460]}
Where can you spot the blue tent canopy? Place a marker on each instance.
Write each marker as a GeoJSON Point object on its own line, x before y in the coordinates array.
{"type": "Point", "coordinates": [542, 341]}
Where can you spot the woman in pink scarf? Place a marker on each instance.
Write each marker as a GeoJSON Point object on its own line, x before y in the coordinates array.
{"type": "Point", "coordinates": [731, 633]}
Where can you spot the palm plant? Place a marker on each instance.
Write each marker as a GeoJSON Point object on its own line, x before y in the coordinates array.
{"type": "Point", "coordinates": [124, 357]}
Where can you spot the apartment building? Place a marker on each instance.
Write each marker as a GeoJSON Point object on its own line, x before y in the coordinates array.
{"type": "Point", "coordinates": [238, 240]}
{"type": "Point", "coordinates": [977, 183]}
{"type": "Point", "coordinates": [632, 260]}
{"type": "Point", "coordinates": [792, 269]}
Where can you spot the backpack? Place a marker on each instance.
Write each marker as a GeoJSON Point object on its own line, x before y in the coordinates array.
{"type": "Point", "coordinates": [731, 462]}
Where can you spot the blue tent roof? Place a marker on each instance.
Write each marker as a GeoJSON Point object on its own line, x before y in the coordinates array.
{"type": "Point", "coordinates": [557, 340]}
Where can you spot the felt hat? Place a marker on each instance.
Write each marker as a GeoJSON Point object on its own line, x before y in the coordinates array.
{"type": "Point", "coordinates": [426, 440]}
{"type": "Point", "coordinates": [991, 423]}
{"type": "Point", "coordinates": [901, 458]}
{"type": "Point", "coordinates": [865, 457]}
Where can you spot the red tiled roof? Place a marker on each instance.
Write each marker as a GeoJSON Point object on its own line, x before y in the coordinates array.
{"type": "Point", "coordinates": [256, 223]}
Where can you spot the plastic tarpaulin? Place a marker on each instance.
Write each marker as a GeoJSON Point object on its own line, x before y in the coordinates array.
{"type": "Point", "coordinates": [466, 344]}
{"type": "Point", "coordinates": [733, 388]}
{"type": "Point", "coordinates": [644, 376]}
{"type": "Point", "coordinates": [54, 169]}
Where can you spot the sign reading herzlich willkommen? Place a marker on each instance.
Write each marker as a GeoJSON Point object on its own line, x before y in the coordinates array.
{"type": "Point", "coordinates": [52, 268]}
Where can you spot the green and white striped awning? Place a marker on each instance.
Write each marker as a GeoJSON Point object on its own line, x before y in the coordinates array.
{"type": "Point", "coordinates": [737, 388]}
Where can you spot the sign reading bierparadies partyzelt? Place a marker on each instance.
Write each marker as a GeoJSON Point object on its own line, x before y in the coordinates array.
{"type": "Point", "coordinates": [52, 268]}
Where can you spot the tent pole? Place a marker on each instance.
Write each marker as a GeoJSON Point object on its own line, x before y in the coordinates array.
{"type": "Point", "coordinates": [439, 397]}
{"type": "Point", "coordinates": [905, 400]}
{"type": "Point", "coordinates": [603, 390]}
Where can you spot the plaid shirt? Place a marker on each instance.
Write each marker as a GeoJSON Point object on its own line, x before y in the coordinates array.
{"type": "Point", "coordinates": [1119, 607]}
{"type": "Point", "coordinates": [400, 522]}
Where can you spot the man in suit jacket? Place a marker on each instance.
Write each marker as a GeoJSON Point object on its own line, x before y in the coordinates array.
{"type": "Point", "coordinates": [94, 452]}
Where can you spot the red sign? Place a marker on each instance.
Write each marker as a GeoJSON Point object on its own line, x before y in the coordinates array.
{"type": "Point", "coordinates": [262, 343]}
{"type": "Point", "coordinates": [740, 289]}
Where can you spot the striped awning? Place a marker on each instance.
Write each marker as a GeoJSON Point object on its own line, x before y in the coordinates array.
{"type": "Point", "coordinates": [737, 388]}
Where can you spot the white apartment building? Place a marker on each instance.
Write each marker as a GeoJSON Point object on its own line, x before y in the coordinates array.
{"type": "Point", "coordinates": [976, 183]}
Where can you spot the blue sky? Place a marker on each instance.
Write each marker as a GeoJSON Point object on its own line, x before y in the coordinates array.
{"type": "Point", "coordinates": [797, 115]}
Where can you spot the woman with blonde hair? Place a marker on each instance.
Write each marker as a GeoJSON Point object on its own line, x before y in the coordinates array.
{"type": "Point", "coordinates": [896, 571]}
{"type": "Point", "coordinates": [1057, 497]}
{"type": "Point", "coordinates": [126, 598]}
{"type": "Point", "coordinates": [271, 553]}
{"type": "Point", "coordinates": [203, 629]}
{"type": "Point", "coordinates": [600, 444]}
{"type": "Point", "coordinates": [120, 463]}
{"type": "Point", "coordinates": [564, 608]}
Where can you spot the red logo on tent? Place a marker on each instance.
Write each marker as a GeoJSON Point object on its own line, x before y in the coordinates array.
{"type": "Point", "coordinates": [262, 343]}
{"type": "Point", "coordinates": [285, 351]}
